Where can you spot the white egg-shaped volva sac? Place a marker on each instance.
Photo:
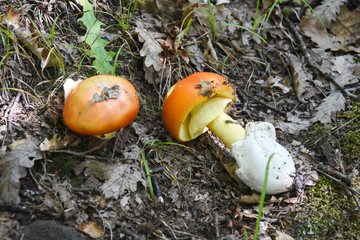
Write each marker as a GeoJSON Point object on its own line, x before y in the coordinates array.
{"type": "Point", "coordinates": [253, 153]}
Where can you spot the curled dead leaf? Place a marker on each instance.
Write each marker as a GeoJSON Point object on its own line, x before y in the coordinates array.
{"type": "Point", "coordinates": [91, 229]}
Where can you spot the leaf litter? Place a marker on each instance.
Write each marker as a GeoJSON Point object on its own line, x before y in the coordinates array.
{"type": "Point", "coordinates": [206, 198]}
{"type": "Point", "coordinates": [14, 165]}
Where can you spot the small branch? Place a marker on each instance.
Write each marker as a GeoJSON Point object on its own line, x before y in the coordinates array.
{"type": "Point", "coordinates": [354, 193]}
{"type": "Point", "coordinates": [13, 208]}
{"type": "Point", "coordinates": [83, 154]}
{"type": "Point", "coordinates": [217, 231]}
{"type": "Point", "coordinates": [338, 175]}
{"type": "Point", "coordinates": [244, 99]}
{"type": "Point", "coordinates": [268, 105]}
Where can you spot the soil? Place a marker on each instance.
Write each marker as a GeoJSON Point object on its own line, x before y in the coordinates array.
{"type": "Point", "coordinates": [195, 197]}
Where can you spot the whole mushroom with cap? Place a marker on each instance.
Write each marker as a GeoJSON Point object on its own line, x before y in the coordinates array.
{"type": "Point", "coordinates": [199, 103]}
{"type": "Point", "coordinates": [99, 105]}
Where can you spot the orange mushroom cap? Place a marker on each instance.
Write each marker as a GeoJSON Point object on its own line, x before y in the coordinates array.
{"type": "Point", "coordinates": [186, 94]}
{"type": "Point", "coordinates": [101, 104]}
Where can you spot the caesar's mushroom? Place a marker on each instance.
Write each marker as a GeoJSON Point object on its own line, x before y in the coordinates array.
{"type": "Point", "coordinates": [99, 105]}
{"type": "Point", "coordinates": [199, 102]}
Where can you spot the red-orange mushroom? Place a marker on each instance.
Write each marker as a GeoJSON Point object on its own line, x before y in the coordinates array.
{"type": "Point", "coordinates": [100, 105]}
{"type": "Point", "coordinates": [197, 103]}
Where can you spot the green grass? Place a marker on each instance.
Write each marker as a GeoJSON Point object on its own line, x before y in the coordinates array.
{"type": "Point", "coordinates": [262, 198]}
{"type": "Point", "coordinates": [125, 14]}
{"type": "Point", "coordinates": [159, 146]}
{"type": "Point", "coordinates": [54, 54]}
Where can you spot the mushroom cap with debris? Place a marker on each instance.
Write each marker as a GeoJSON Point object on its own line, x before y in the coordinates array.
{"type": "Point", "coordinates": [100, 104]}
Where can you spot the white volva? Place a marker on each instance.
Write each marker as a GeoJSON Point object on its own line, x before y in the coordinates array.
{"type": "Point", "coordinates": [254, 151]}
{"type": "Point", "coordinates": [69, 85]}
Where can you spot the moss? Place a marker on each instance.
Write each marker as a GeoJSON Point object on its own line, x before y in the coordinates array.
{"type": "Point", "coordinates": [317, 132]}
{"type": "Point", "coordinates": [351, 146]}
{"type": "Point", "coordinates": [351, 139]}
{"type": "Point", "coordinates": [348, 134]}
{"type": "Point", "coordinates": [328, 213]}
{"type": "Point", "coordinates": [62, 165]}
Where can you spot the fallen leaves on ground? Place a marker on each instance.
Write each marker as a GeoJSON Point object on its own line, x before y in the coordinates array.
{"type": "Point", "coordinates": [167, 43]}
{"type": "Point", "coordinates": [340, 28]}
{"type": "Point", "coordinates": [123, 178]}
{"type": "Point", "coordinates": [14, 166]}
{"type": "Point", "coordinates": [332, 104]}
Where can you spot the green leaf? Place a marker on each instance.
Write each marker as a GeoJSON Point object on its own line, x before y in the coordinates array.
{"type": "Point", "coordinates": [93, 39]}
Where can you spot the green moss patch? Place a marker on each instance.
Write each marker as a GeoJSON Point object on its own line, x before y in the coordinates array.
{"type": "Point", "coordinates": [328, 213]}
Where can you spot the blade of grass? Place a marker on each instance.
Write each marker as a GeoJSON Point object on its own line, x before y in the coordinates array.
{"type": "Point", "coordinates": [147, 171]}
{"type": "Point", "coordinates": [269, 14]}
{"type": "Point", "coordinates": [256, 21]}
{"type": "Point", "coordinates": [19, 90]}
{"type": "Point", "coordinates": [186, 29]}
{"type": "Point", "coordinates": [156, 143]}
{"type": "Point", "coordinates": [212, 19]}
{"type": "Point", "coordinates": [244, 28]}
{"type": "Point", "coordinates": [317, 16]}
{"type": "Point", "coordinates": [116, 58]}
{"type": "Point", "coordinates": [262, 198]}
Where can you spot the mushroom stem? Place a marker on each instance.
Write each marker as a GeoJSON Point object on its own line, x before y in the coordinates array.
{"type": "Point", "coordinates": [227, 129]}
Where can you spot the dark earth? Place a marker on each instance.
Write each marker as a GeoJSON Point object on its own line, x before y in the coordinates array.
{"type": "Point", "coordinates": [84, 187]}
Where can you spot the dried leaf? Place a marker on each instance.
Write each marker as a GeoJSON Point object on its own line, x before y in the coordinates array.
{"type": "Point", "coordinates": [331, 104]}
{"type": "Point", "coordinates": [91, 229]}
{"type": "Point", "coordinates": [328, 10]}
{"type": "Point", "coordinates": [344, 67]}
{"type": "Point", "coordinates": [197, 57]}
{"type": "Point", "coordinates": [106, 93]}
{"type": "Point", "coordinates": [210, 54]}
{"type": "Point", "coordinates": [94, 168]}
{"type": "Point", "coordinates": [205, 88]}
{"type": "Point", "coordinates": [29, 38]}
{"type": "Point", "coordinates": [278, 82]}
{"type": "Point", "coordinates": [51, 144]}
{"type": "Point", "coordinates": [347, 26]}
{"type": "Point", "coordinates": [58, 142]}
{"type": "Point", "coordinates": [150, 50]}
{"type": "Point", "coordinates": [132, 151]}
{"type": "Point", "coordinates": [318, 34]}
{"type": "Point", "coordinates": [123, 178]}
{"type": "Point", "coordinates": [13, 166]}
{"type": "Point", "coordinates": [282, 236]}
{"type": "Point", "coordinates": [294, 123]}
{"type": "Point", "coordinates": [301, 80]}
{"type": "Point", "coordinates": [167, 44]}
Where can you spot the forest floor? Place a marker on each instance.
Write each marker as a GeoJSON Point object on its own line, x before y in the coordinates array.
{"type": "Point", "coordinates": [292, 64]}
